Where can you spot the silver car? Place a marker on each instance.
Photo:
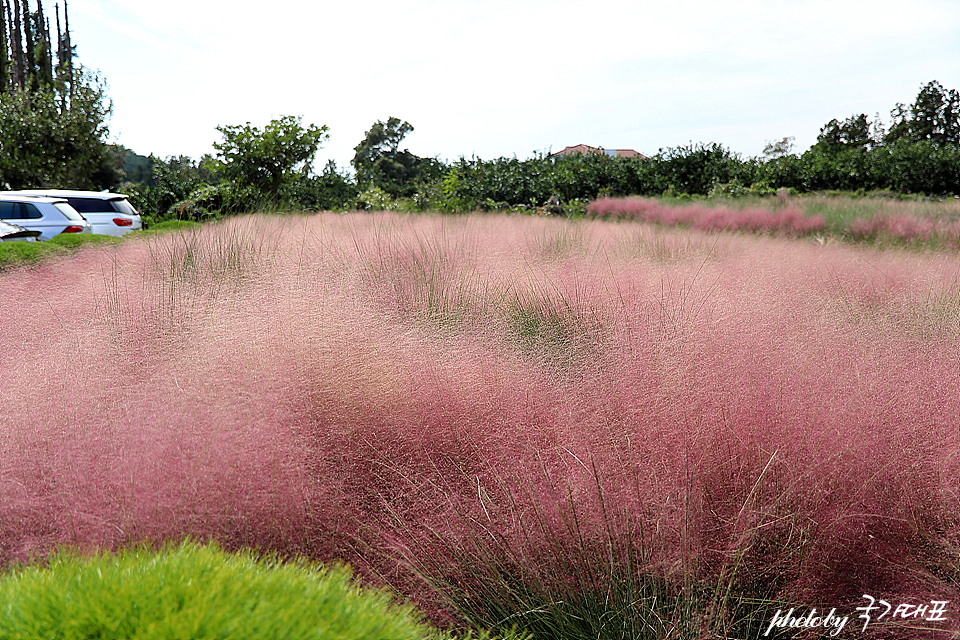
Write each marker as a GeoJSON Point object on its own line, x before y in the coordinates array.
{"type": "Point", "coordinates": [13, 232]}
{"type": "Point", "coordinates": [49, 216]}
{"type": "Point", "coordinates": [110, 214]}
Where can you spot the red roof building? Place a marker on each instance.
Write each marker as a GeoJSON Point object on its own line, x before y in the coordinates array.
{"type": "Point", "coordinates": [584, 149]}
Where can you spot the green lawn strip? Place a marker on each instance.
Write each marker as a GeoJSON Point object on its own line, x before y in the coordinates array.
{"type": "Point", "coordinates": [194, 591]}
{"type": "Point", "coordinates": [167, 226]}
{"type": "Point", "coordinates": [15, 254]}
{"type": "Point", "coordinates": [76, 240]}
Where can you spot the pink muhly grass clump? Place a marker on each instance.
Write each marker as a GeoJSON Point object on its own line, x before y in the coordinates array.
{"type": "Point", "coordinates": [785, 222]}
{"type": "Point", "coordinates": [631, 208]}
{"type": "Point", "coordinates": [109, 442]}
{"type": "Point", "coordinates": [788, 221]}
{"type": "Point", "coordinates": [734, 431]}
{"type": "Point", "coordinates": [906, 228]}
{"type": "Point", "coordinates": [737, 432]}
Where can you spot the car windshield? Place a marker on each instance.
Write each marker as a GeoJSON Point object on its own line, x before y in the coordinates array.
{"type": "Point", "coordinates": [68, 211]}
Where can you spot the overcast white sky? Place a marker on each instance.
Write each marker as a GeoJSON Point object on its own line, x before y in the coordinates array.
{"type": "Point", "coordinates": [498, 78]}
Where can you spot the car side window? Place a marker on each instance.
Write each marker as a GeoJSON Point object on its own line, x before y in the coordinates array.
{"type": "Point", "coordinates": [19, 211]}
{"type": "Point", "coordinates": [9, 211]}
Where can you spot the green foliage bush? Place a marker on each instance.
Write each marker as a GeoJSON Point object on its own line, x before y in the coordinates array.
{"type": "Point", "coordinates": [696, 168]}
{"type": "Point", "coordinates": [194, 591]}
{"type": "Point", "coordinates": [700, 170]}
{"type": "Point", "coordinates": [373, 198]}
{"type": "Point", "coordinates": [920, 155]}
{"type": "Point", "coordinates": [174, 181]}
{"type": "Point", "coordinates": [380, 162]}
{"type": "Point", "coordinates": [256, 170]}
{"type": "Point", "coordinates": [509, 182]}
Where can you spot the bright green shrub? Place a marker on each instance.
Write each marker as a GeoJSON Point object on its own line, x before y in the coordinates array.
{"type": "Point", "coordinates": [194, 591]}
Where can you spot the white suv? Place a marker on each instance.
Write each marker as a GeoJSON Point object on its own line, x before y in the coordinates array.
{"type": "Point", "coordinates": [109, 214]}
{"type": "Point", "coordinates": [49, 216]}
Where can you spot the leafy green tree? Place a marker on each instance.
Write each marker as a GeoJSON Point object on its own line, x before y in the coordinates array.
{"type": "Point", "coordinates": [918, 167]}
{"type": "Point", "coordinates": [175, 179]}
{"type": "Point", "coordinates": [26, 54]}
{"type": "Point", "coordinates": [934, 117]}
{"type": "Point", "coordinates": [853, 133]}
{"type": "Point", "coordinates": [136, 168]}
{"type": "Point", "coordinates": [779, 148]}
{"type": "Point", "coordinates": [110, 173]}
{"type": "Point", "coordinates": [49, 141]}
{"type": "Point", "coordinates": [380, 162]}
{"type": "Point", "coordinates": [696, 168]}
{"type": "Point", "coordinates": [264, 159]}
{"type": "Point", "coordinates": [332, 189]}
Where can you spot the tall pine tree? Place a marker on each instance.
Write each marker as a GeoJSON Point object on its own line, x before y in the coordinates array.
{"type": "Point", "coordinates": [52, 116]}
{"type": "Point", "coordinates": [4, 56]}
{"type": "Point", "coordinates": [26, 49]}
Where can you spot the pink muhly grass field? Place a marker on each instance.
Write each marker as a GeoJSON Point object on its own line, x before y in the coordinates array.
{"type": "Point", "coordinates": [452, 404]}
